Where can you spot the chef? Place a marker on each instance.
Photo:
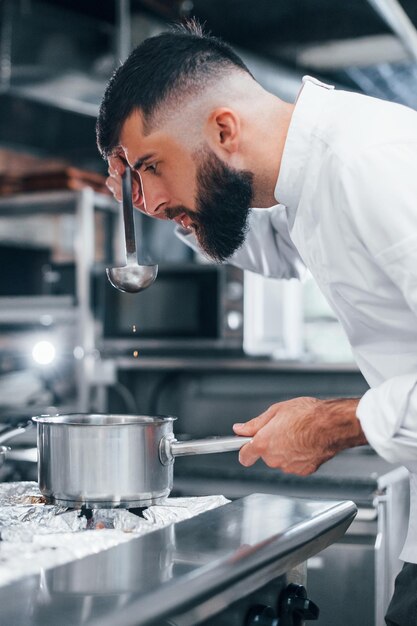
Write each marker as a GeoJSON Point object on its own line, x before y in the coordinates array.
{"type": "Point", "coordinates": [334, 180]}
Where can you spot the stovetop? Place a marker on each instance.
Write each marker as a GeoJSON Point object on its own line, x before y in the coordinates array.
{"type": "Point", "coordinates": [35, 536]}
{"type": "Point", "coordinates": [180, 567]}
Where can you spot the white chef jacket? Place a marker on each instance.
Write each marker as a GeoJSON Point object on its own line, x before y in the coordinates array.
{"type": "Point", "coordinates": [348, 192]}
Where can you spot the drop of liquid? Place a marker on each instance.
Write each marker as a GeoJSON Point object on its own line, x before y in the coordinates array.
{"type": "Point", "coordinates": [134, 328]}
{"type": "Point", "coordinates": [136, 354]}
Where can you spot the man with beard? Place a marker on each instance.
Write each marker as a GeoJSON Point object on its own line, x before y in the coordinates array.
{"type": "Point", "coordinates": [205, 142]}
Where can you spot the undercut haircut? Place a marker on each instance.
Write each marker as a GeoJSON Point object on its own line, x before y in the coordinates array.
{"type": "Point", "coordinates": [166, 68]}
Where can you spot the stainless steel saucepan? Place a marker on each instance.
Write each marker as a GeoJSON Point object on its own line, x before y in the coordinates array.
{"type": "Point", "coordinates": [101, 461]}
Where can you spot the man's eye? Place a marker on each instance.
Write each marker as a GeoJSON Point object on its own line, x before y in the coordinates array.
{"type": "Point", "coordinates": [152, 167]}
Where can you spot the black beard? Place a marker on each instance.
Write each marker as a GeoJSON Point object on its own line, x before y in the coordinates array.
{"type": "Point", "coordinates": [224, 198]}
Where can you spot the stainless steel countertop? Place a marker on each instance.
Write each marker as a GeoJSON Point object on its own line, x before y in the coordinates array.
{"type": "Point", "coordinates": [173, 569]}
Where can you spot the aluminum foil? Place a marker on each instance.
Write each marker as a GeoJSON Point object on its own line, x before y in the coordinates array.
{"type": "Point", "coordinates": [20, 493]}
{"type": "Point", "coordinates": [36, 536]}
{"type": "Point", "coordinates": [177, 509]}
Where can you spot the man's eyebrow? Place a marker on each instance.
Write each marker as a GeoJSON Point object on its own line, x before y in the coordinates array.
{"type": "Point", "coordinates": [140, 161]}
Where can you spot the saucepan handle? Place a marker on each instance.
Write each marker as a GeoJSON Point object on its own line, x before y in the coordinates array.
{"type": "Point", "coordinates": [12, 431]}
{"type": "Point", "coordinates": [170, 448]}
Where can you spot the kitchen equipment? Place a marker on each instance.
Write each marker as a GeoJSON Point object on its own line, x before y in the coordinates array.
{"type": "Point", "coordinates": [132, 277]}
{"type": "Point", "coordinates": [273, 317]}
{"type": "Point", "coordinates": [8, 433]}
{"type": "Point", "coordinates": [22, 269]}
{"type": "Point", "coordinates": [192, 306]}
{"type": "Point", "coordinates": [101, 461]}
{"type": "Point", "coordinates": [13, 430]}
{"type": "Point", "coordinates": [391, 78]}
{"type": "Point", "coordinates": [24, 516]}
{"type": "Point", "coordinates": [244, 559]}
{"type": "Point", "coordinates": [372, 544]}
{"type": "Point", "coordinates": [397, 19]}
{"type": "Point", "coordinates": [74, 581]}
{"type": "Point", "coordinates": [3, 453]}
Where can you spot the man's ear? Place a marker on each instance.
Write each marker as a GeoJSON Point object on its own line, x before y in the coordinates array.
{"type": "Point", "coordinates": [223, 131]}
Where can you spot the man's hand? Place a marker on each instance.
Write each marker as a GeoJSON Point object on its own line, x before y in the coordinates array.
{"type": "Point", "coordinates": [298, 435]}
{"type": "Point", "coordinates": [117, 166]}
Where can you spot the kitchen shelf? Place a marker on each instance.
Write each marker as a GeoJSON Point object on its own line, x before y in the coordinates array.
{"type": "Point", "coordinates": [75, 310]}
{"type": "Point", "coordinates": [44, 310]}
{"type": "Point", "coordinates": [250, 364]}
{"type": "Point", "coordinates": [52, 202]}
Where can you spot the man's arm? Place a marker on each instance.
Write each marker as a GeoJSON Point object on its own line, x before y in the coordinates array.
{"type": "Point", "coordinates": [298, 435]}
{"type": "Point", "coordinates": [382, 184]}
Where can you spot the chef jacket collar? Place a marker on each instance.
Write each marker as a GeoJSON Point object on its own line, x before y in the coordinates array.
{"type": "Point", "coordinates": [305, 117]}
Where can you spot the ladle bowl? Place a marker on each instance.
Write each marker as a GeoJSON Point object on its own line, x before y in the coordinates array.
{"type": "Point", "coordinates": [132, 277]}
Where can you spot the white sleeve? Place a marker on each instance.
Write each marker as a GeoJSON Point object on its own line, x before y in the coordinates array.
{"type": "Point", "coordinates": [386, 217]}
{"type": "Point", "coordinates": [268, 249]}
{"type": "Point", "coordinates": [388, 416]}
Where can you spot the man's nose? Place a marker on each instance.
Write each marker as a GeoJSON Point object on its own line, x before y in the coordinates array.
{"type": "Point", "coordinates": [155, 201]}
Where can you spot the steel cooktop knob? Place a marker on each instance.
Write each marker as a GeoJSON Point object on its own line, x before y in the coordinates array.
{"type": "Point", "coordinates": [295, 607]}
{"type": "Point", "coordinates": [261, 615]}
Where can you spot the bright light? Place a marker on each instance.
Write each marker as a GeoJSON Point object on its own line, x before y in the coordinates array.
{"type": "Point", "coordinates": [43, 352]}
{"type": "Point", "coordinates": [78, 353]}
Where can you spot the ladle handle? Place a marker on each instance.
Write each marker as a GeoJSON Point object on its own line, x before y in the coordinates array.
{"type": "Point", "coordinates": [129, 224]}
{"type": "Point", "coordinates": [170, 447]}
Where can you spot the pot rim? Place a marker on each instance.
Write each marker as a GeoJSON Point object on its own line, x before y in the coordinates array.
{"type": "Point", "coordinates": [103, 419]}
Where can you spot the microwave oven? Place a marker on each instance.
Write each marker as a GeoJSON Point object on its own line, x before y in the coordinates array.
{"type": "Point", "coordinates": [189, 306]}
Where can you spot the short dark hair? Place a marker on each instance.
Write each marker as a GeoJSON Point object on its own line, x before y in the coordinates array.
{"type": "Point", "coordinates": [173, 63]}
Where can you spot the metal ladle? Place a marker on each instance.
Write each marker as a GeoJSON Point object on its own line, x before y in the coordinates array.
{"type": "Point", "coordinates": [132, 277]}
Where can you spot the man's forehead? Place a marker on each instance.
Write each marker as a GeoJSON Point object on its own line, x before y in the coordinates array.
{"type": "Point", "coordinates": [132, 131]}
{"type": "Point", "coordinates": [136, 142]}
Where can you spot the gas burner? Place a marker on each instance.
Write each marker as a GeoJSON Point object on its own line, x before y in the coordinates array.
{"type": "Point", "coordinates": [138, 511]}
{"type": "Point", "coordinates": [98, 519]}
{"type": "Point", "coordinates": [85, 512]}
